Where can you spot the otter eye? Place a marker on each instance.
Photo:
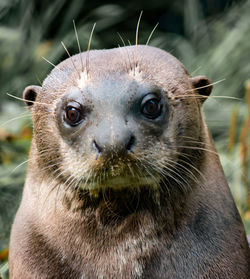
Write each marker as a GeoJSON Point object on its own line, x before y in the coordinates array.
{"type": "Point", "coordinates": [73, 114]}
{"type": "Point", "coordinates": [151, 106]}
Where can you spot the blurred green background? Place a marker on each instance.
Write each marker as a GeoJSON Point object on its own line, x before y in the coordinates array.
{"type": "Point", "coordinates": [210, 37]}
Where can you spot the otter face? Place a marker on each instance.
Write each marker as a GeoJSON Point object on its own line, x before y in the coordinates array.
{"type": "Point", "coordinates": [119, 122]}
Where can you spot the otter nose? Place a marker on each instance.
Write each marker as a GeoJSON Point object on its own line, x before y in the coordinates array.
{"type": "Point", "coordinates": [118, 143]}
{"type": "Point", "coordinates": [118, 146]}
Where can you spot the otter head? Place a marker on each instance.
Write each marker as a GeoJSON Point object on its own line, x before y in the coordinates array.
{"type": "Point", "coordinates": [119, 118]}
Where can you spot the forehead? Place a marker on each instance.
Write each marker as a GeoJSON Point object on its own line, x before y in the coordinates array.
{"type": "Point", "coordinates": [137, 61]}
{"type": "Point", "coordinates": [118, 70]}
{"type": "Point", "coordinates": [117, 88]}
{"type": "Point", "coordinates": [112, 91]}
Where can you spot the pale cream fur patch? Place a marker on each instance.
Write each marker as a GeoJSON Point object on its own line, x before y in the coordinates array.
{"type": "Point", "coordinates": [81, 82]}
{"type": "Point", "coordinates": [136, 74]}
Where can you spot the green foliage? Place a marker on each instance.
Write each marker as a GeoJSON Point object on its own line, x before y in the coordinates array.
{"type": "Point", "coordinates": [4, 270]}
{"type": "Point", "coordinates": [32, 31]}
{"type": "Point", "coordinates": [14, 146]}
{"type": "Point", "coordinates": [217, 47]}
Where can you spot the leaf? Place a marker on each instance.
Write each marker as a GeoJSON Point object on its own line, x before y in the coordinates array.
{"type": "Point", "coordinates": [4, 255]}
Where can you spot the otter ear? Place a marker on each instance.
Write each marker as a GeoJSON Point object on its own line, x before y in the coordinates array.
{"type": "Point", "coordinates": [30, 93]}
{"type": "Point", "coordinates": [202, 85]}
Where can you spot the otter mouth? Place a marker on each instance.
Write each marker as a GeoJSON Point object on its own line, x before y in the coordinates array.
{"type": "Point", "coordinates": [117, 174]}
{"type": "Point", "coordinates": [118, 179]}
{"type": "Point", "coordinates": [121, 182]}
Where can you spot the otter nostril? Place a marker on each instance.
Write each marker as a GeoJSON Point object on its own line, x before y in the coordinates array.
{"type": "Point", "coordinates": [130, 143]}
{"type": "Point", "coordinates": [97, 147]}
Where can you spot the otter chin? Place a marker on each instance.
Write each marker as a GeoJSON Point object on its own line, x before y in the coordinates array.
{"type": "Point", "coordinates": [125, 172]}
{"type": "Point", "coordinates": [123, 179]}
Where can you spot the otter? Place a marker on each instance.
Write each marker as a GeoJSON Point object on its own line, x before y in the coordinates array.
{"type": "Point", "coordinates": [123, 179]}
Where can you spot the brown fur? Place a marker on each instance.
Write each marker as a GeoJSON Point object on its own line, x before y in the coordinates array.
{"type": "Point", "coordinates": [186, 225]}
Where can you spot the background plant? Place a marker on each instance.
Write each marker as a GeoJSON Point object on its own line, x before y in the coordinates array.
{"type": "Point", "coordinates": [206, 36]}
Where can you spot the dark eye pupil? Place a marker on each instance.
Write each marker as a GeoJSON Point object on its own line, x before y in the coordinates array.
{"type": "Point", "coordinates": [152, 108]}
{"type": "Point", "coordinates": [72, 115]}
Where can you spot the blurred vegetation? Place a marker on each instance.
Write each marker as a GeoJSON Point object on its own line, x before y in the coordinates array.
{"type": "Point", "coordinates": [209, 37]}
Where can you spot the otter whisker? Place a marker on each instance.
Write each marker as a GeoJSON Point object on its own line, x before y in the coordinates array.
{"type": "Point", "coordinates": [141, 173]}
{"type": "Point", "coordinates": [24, 162]}
{"type": "Point", "coordinates": [71, 59]}
{"type": "Point", "coordinates": [137, 37]}
{"type": "Point", "coordinates": [89, 44]}
{"type": "Point", "coordinates": [109, 205]}
{"type": "Point", "coordinates": [21, 99]}
{"type": "Point", "coordinates": [151, 34]}
{"type": "Point", "coordinates": [203, 96]}
{"type": "Point", "coordinates": [164, 170]}
{"type": "Point", "coordinates": [167, 172]}
{"type": "Point", "coordinates": [168, 168]}
{"type": "Point", "coordinates": [194, 168]}
{"type": "Point", "coordinates": [147, 170]}
{"type": "Point", "coordinates": [197, 69]}
{"type": "Point", "coordinates": [199, 143]}
{"type": "Point", "coordinates": [164, 181]}
{"type": "Point", "coordinates": [53, 182]}
{"type": "Point", "coordinates": [124, 60]}
{"type": "Point", "coordinates": [131, 171]}
{"type": "Point", "coordinates": [185, 168]}
{"type": "Point", "coordinates": [46, 153]}
{"type": "Point", "coordinates": [188, 156]}
{"type": "Point", "coordinates": [182, 182]}
{"type": "Point", "coordinates": [209, 85]}
{"type": "Point", "coordinates": [208, 97]}
{"type": "Point", "coordinates": [87, 178]}
{"type": "Point", "coordinates": [58, 187]}
{"type": "Point", "coordinates": [56, 67]}
{"type": "Point", "coordinates": [50, 162]}
{"type": "Point", "coordinates": [56, 173]}
{"type": "Point", "coordinates": [139, 170]}
{"type": "Point", "coordinates": [78, 43]}
{"type": "Point", "coordinates": [129, 59]}
{"type": "Point", "coordinates": [39, 80]}
{"type": "Point", "coordinates": [67, 184]}
{"type": "Point", "coordinates": [15, 118]}
{"type": "Point", "coordinates": [49, 186]}
{"type": "Point", "coordinates": [76, 187]}
{"type": "Point", "coordinates": [50, 166]}
{"type": "Point", "coordinates": [43, 150]}
{"type": "Point", "coordinates": [75, 184]}
{"type": "Point", "coordinates": [127, 67]}
{"type": "Point", "coordinates": [192, 138]}
{"type": "Point", "coordinates": [123, 42]}
{"type": "Point", "coordinates": [197, 148]}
